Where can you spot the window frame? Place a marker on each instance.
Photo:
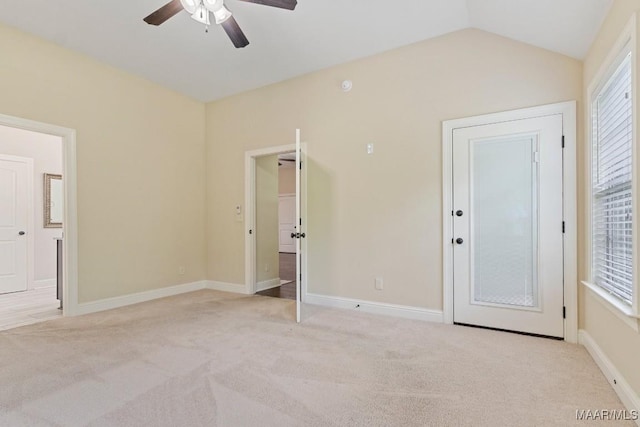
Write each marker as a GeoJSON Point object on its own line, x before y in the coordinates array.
{"type": "Point", "coordinates": [625, 45]}
{"type": "Point", "coordinates": [624, 59]}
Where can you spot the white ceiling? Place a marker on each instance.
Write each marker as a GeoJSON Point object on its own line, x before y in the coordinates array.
{"type": "Point", "coordinates": [285, 44]}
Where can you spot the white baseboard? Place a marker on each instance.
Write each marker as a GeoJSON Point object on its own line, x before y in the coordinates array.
{"type": "Point", "coordinates": [407, 312]}
{"type": "Point", "coordinates": [267, 284]}
{"type": "Point", "coordinates": [627, 395]}
{"type": "Point", "coordinates": [45, 283]}
{"type": "Point", "coordinates": [226, 287]}
{"type": "Point", "coordinates": [124, 300]}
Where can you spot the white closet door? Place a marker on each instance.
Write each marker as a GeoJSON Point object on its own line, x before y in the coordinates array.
{"type": "Point", "coordinates": [13, 225]}
{"type": "Point", "coordinates": [287, 223]}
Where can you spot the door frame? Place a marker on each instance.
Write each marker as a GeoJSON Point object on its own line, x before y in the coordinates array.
{"type": "Point", "coordinates": [250, 210]}
{"type": "Point", "coordinates": [568, 112]}
{"type": "Point", "coordinates": [31, 231]}
{"type": "Point", "coordinates": [70, 224]}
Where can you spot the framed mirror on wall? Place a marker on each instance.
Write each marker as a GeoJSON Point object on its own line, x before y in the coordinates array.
{"type": "Point", "coordinates": [53, 201]}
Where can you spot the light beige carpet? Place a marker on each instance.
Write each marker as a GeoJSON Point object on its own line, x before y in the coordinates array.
{"type": "Point", "coordinates": [217, 359]}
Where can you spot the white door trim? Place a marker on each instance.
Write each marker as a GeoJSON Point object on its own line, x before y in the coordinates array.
{"type": "Point", "coordinates": [31, 231]}
{"type": "Point", "coordinates": [69, 172]}
{"type": "Point", "coordinates": [250, 210]}
{"type": "Point", "coordinates": [568, 111]}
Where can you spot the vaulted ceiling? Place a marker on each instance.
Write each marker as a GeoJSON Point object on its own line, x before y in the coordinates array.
{"type": "Point", "coordinates": [284, 44]}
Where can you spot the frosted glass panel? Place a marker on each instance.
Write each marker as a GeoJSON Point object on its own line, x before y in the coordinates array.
{"type": "Point", "coordinates": [504, 221]}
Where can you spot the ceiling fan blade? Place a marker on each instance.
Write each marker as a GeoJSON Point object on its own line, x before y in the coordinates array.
{"type": "Point", "coordinates": [165, 12]}
{"type": "Point", "coordinates": [283, 4]}
{"type": "Point", "coordinates": [234, 32]}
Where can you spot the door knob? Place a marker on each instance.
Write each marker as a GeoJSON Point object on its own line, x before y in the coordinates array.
{"type": "Point", "coordinates": [22, 233]}
{"type": "Point", "coordinates": [293, 235]}
{"type": "Point", "coordinates": [459, 240]}
{"type": "Point", "coordinates": [303, 235]}
{"type": "Point", "coordinates": [459, 213]}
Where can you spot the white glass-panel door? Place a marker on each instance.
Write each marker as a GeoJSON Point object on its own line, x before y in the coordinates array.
{"type": "Point", "coordinates": [508, 255]}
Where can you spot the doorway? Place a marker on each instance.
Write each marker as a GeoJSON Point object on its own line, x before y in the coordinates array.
{"type": "Point", "coordinates": [31, 212]}
{"type": "Point", "coordinates": [275, 211]}
{"type": "Point", "coordinates": [252, 263]}
{"type": "Point", "coordinates": [66, 264]}
{"type": "Point", "coordinates": [510, 197]}
{"type": "Point", "coordinates": [285, 287]}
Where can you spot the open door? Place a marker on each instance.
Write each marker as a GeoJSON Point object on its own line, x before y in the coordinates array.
{"type": "Point", "coordinates": [301, 234]}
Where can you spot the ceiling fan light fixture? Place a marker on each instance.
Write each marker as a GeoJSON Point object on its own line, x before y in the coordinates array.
{"type": "Point", "coordinates": [219, 10]}
{"type": "Point", "coordinates": [189, 5]}
{"type": "Point", "coordinates": [212, 5]}
{"type": "Point", "coordinates": [201, 15]}
{"type": "Point", "coordinates": [222, 14]}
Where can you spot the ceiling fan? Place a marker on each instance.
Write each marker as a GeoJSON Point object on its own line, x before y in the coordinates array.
{"type": "Point", "coordinates": [200, 11]}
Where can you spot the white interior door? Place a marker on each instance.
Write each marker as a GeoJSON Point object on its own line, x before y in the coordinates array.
{"type": "Point", "coordinates": [508, 225]}
{"type": "Point", "coordinates": [13, 224]}
{"type": "Point", "coordinates": [301, 235]}
{"type": "Point", "coordinates": [287, 221]}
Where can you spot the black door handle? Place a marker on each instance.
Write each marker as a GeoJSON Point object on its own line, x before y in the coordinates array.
{"type": "Point", "coordinates": [22, 233]}
{"type": "Point", "coordinates": [303, 235]}
{"type": "Point", "coordinates": [293, 235]}
{"type": "Point", "coordinates": [459, 240]}
{"type": "Point", "coordinates": [459, 213]}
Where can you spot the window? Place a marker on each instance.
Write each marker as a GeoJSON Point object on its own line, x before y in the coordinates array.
{"type": "Point", "coordinates": [612, 174]}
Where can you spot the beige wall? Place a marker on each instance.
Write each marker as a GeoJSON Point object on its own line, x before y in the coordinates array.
{"type": "Point", "coordinates": [267, 256]}
{"type": "Point", "coordinates": [286, 180]}
{"type": "Point", "coordinates": [374, 215]}
{"type": "Point", "coordinates": [46, 153]}
{"type": "Point", "coordinates": [140, 164]}
{"type": "Point", "coordinates": [617, 340]}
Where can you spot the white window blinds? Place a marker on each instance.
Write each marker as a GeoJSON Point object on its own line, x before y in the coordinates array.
{"type": "Point", "coordinates": [612, 214]}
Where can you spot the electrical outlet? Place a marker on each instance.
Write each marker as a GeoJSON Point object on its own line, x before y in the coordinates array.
{"type": "Point", "coordinates": [379, 283]}
{"type": "Point", "coordinates": [181, 270]}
